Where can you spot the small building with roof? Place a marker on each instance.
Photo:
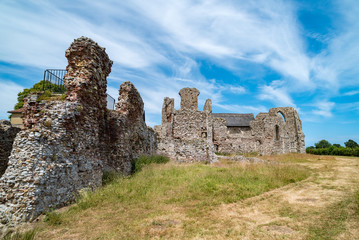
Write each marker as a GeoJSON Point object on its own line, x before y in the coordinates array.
{"type": "Point", "coordinates": [16, 118]}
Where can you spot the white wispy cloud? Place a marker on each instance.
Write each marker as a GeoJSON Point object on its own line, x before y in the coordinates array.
{"type": "Point", "coordinates": [242, 108]}
{"type": "Point", "coordinates": [227, 30]}
{"type": "Point", "coordinates": [351, 93]}
{"type": "Point", "coordinates": [277, 94]}
{"type": "Point", "coordinates": [336, 66]}
{"type": "Point", "coordinates": [237, 90]}
{"type": "Point", "coordinates": [324, 108]}
{"type": "Point", "coordinates": [348, 107]}
{"type": "Point", "coordinates": [156, 45]}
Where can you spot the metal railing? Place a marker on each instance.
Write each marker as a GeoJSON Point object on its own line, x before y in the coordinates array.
{"type": "Point", "coordinates": [110, 102]}
{"type": "Point", "coordinates": [54, 82]}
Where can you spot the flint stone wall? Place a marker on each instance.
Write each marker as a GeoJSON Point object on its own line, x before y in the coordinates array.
{"type": "Point", "coordinates": [66, 145]}
{"type": "Point", "coordinates": [128, 135]}
{"type": "Point", "coordinates": [268, 134]}
{"type": "Point", "coordinates": [7, 137]}
{"type": "Point", "coordinates": [191, 135]}
{"type": "Point", "coordinates": [186, 134]}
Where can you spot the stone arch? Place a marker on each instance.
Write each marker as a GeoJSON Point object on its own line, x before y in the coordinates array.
{"type": "Point", "coordinates": [280, 113]}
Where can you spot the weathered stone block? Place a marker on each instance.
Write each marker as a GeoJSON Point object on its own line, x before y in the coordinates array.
{"type": "Point", "coordinates": [189, 98]}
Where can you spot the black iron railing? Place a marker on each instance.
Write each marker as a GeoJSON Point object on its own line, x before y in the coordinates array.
{"type": "Point", "coordinates": [54, 82]}
{"type": "Point", "coordinates": [110, 102]}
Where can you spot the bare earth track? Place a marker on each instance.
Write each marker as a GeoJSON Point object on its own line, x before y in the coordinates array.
{"type": "Point", "coordinates": [292, 211]}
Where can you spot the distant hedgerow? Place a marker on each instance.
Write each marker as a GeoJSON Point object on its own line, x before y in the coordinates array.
{"type": "Point", "coordinates": [320, 148]}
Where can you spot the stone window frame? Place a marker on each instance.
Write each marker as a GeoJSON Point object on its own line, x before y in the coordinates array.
{"type": "Point", "coordinates": [277, 132]}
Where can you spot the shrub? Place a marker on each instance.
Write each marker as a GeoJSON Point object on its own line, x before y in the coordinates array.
{"type": "Point", "coordinates": [322, 144]}
{"type": "Point", "coordinates": [351, 144]}
{"type": "Point", "coordinates": [338, 151]}
{"type": "Point", "coordinates": [37, 87]}
{"type": "Point", "coordinates": [45, 95]}
{"type": "Point", "coordinates": [356, 152]}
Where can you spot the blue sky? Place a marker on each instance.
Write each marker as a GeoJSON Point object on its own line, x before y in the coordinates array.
{"type": "Point", "coordinates": [247, 56]}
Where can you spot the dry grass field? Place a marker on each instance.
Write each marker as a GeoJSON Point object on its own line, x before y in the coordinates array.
{"type": "Point", "coordinates": [293, 196]}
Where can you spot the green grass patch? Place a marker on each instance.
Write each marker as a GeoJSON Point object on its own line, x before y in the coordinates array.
{"type": "Point", "coordinates": [52, 218]}
{"type": "Point", "coordinates": [28, 235]}
{"type": "Point", "coordinates": [138, 163]}
{"type": "Point", "coordinates": [332, 221]}
{"type": "Point", "coordinates": [109, 177]}
{"type": "Point", "coordinates": [193, 189]}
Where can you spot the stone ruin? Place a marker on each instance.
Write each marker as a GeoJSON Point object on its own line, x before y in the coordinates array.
{"type": "Point", "coordinates": [67, 145]}
{"type": "Point", "coordinates": [7, 136]}
{"type": "Point", "coordinates": [188, 135]}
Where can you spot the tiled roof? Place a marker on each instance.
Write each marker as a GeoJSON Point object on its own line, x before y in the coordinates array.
{"type": "Point", "coordinates": [16, 111]}
{"type": "Point", "coordinates": [236, 119]}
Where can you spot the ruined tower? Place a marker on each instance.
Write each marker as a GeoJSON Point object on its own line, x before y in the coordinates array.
{"type": "Point", "coordinates": [185, 135]}
{"type": "Point", "coordinates": [189, 99]}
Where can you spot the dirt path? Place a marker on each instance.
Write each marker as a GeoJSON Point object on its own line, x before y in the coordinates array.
{"type": "Point", "coordinates": [304, 210]}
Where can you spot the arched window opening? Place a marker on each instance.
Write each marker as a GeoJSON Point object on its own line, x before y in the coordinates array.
{"type": "Point", "coordinates": [282, 115]}
{"type": "Point", "coordinates": [276, 132]}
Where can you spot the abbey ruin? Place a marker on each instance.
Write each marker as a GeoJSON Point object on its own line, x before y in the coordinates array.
{"type": "Point", "coordinates": [190, 135]}
{"type": "Point", "coordinates": [67, 145]}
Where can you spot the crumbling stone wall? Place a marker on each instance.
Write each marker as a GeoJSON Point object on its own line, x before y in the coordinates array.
{"type": "Point", "coordinates": [129, 137]}
{"type": "Point", "coordinates": [7, 136]}
{"type": "Point", "coordinates": [186, 134]}
{"type": "Point", "coordinates": [232, 139]}
{"type": "Point", "coordinates": [268, 134]}
{"type": "Point", "coordinates": [66, 145]}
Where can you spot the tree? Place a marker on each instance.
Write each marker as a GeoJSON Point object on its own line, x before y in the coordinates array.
{"type": "Point", "coordinates": [351, 144]}
{"type": "Point", "coordinates": [322, 144]}
{"type": "Point", "coordinates": [336, 145]}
